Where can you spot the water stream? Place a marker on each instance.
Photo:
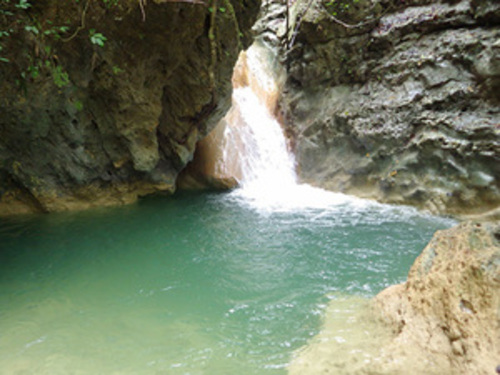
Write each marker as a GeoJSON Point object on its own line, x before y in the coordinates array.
{"type": "Point", "coordinates": [197, 283]}
{"type": "Point", "coordinates": [269, 182]}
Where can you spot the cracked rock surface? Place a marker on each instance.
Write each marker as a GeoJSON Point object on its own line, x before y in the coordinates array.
{"type": "Point", "coordinates": [404, 107]}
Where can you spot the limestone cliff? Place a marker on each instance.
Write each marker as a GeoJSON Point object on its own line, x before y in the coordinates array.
{"type": "Point", "coordinates": [396, 100]}
{"type": "Point", "coordinates": [104, 101]}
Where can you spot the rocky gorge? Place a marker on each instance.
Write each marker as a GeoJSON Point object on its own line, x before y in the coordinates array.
{"type": "Point", "coordinates": [396, 101]}
{"type": "Point", "coordinates": [399, 102]}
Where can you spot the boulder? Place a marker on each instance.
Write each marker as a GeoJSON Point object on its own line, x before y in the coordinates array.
{"type": "Point", "coordinates": [446, 317]}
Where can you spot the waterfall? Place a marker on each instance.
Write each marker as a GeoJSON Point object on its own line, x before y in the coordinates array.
{"type": "Point", "coordinates": [248, 149]}
{"type": "Point", "coordinates": [267, 178]}
{"type": "Point", "coordinates": [266, 159]}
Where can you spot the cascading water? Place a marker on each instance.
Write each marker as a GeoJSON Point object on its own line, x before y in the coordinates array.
{"type": "Point", "coordinates": [268, 179]}
{"type": "Point", "coordinates": [267, 170]}
{"type": "Point", "coordinates": [266, 160]}
{"type": "Point", "coordinates": [267, 167]}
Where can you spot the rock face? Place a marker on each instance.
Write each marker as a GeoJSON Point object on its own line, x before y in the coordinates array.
{"type": "Point", "coordinates": [398, 101]}
{"type": "Point", "coordinates": [444, 320]}
{"type": "Point", "coordinates": [88, 125]}
{"type": "Point", "coordinates": [447, 315]}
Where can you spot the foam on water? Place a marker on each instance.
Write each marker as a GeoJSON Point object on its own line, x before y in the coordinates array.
{"type": "Point", "coordinates": [269, 181]}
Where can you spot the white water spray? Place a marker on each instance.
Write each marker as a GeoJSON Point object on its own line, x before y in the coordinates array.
{"type": "Point", "coordinates": [268, 180]}
{"type": "Point", "coordinates": [266, 158]}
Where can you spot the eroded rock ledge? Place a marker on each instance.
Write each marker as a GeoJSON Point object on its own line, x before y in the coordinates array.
{"type": "Point", "coordinates": [83, 125]}
{"type": "Point", "coordinates": [399, 101]}
{"type": "Point", "coordinates": [445, 319]}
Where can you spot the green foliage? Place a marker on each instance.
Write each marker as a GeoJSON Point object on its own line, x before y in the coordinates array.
{"type": "Point", "coordinates": [117, 70]}
{"type": "Point", "coordinates": [42, 35]}
{"type": "Point", "coordinates": [32, 29]}
{"type": "Point", "coordinates": [337, 7]}
{"type": "Point", "coordinates": [15, 18]}
{"type": "Point", "coordinates": [42, 62]}
{"type": "Point", "coordinates": [19, 22]}
{"type": "Point", "coordinates": [44, 67]}
{"type": "Point", "coordinates": [56, 31]}
{"type": "Point", "coordinates": [34, 71]}
{"type": "Point", "coordinates": [97, 38]}
{"type": "Point", "coordinates": [60, 77]}
{"type": "Point", "coordinates": [78, 105]}
{"type": "Point", "coordinates": [23, 4]}
{"type": "Point", "coordinates": [220, 9]}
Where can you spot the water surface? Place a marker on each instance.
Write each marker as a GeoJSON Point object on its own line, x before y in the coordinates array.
{"type": "Point", "coordinates": [190, 284]}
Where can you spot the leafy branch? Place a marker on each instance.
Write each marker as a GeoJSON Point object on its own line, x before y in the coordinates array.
{"type": "Point", "coordinates": [82, 22]}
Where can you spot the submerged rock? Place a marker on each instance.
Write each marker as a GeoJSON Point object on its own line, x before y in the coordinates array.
{"type": "Point", "coordinates": [444, 320]}
{"type": "Point", "coordinates": [399, 102]}
{"type": "Point", "coordinates": [104, 101]}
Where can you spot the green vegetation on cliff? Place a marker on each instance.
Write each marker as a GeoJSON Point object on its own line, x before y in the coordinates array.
{"type": "Point", "coordinates": [24, 20]}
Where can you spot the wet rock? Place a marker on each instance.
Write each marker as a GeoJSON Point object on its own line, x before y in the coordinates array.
{"type": "Point", "coordinates": [221, 157]}
{"type": "Point", "coordinates": [101, 125]}
{"type": "Point", "coordinates": [402, 105]}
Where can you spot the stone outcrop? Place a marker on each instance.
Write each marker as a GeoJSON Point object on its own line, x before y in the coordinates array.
{"type": "Point", "coordinates": [88, 125]}
{"type": "Point", "coordinates": [397, 100]}
{"type": "Point", "coordinates": [448, 312]}
{"type": "Point", "coordinates": [445, 319]}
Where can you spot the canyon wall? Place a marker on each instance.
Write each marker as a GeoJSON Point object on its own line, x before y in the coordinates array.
{"type": "Point", "coordinates": [103, 102]}
{"type": "Point", "coordinates": [395, 100]}
{"type": "Point", "coordinates": [222, 157]}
